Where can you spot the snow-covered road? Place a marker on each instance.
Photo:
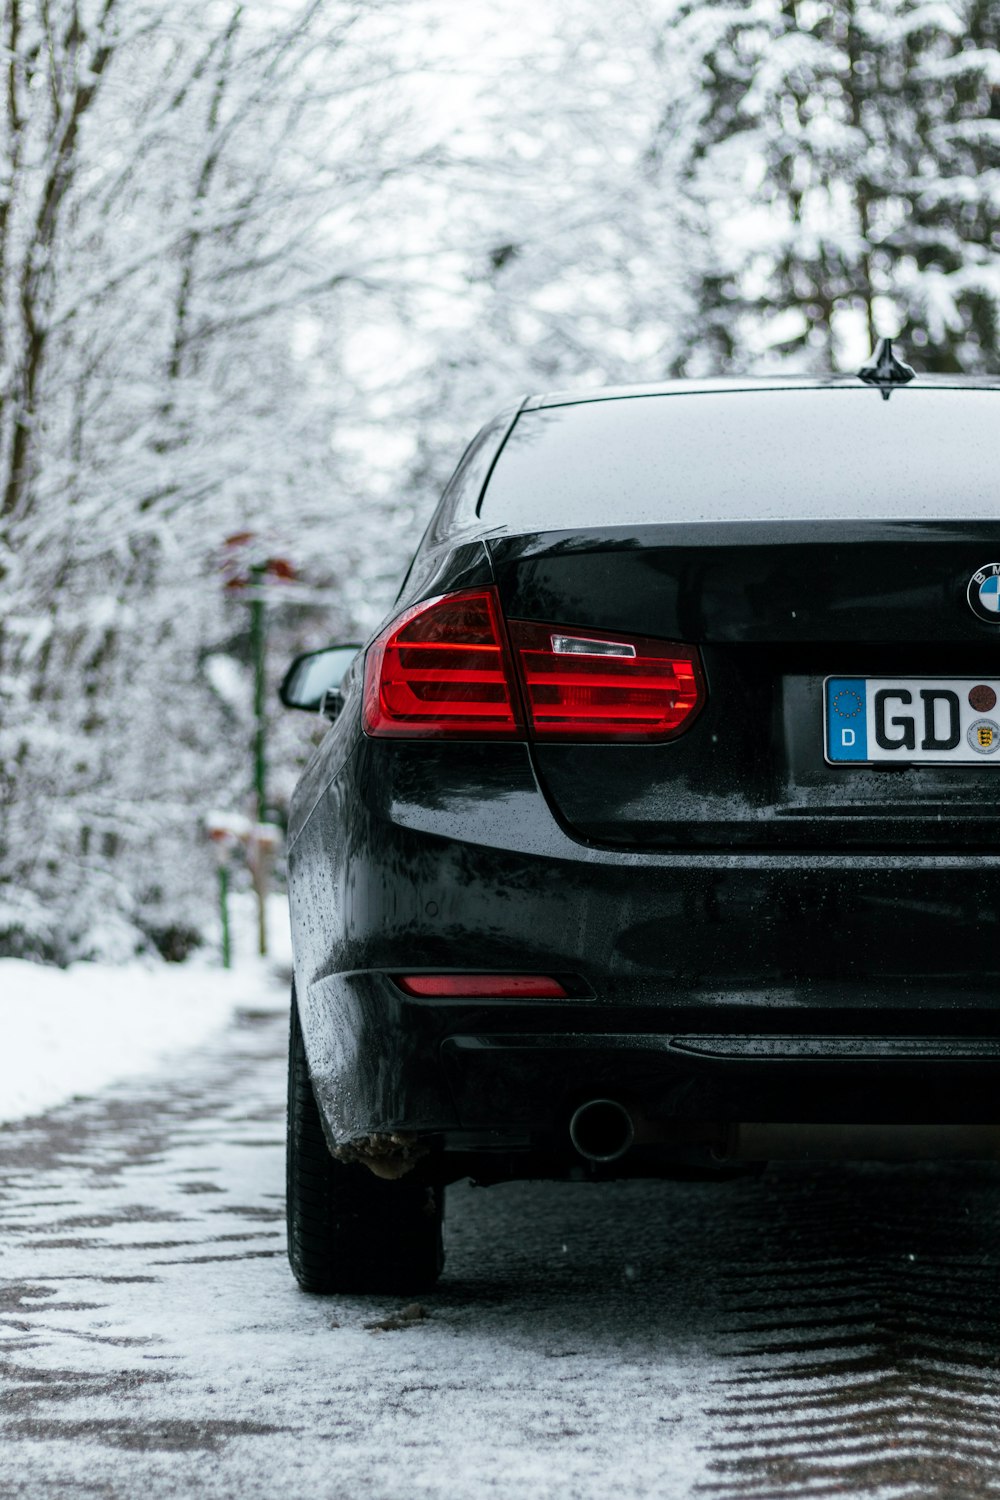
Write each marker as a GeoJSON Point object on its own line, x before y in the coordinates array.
{"type": "Point", "coordinates": [814, 1333]}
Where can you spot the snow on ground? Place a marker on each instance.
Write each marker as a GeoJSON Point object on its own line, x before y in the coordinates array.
{"type": "Point", "coordinates": [69, 1032]}
{"type": "Point", "coordinates": [820, 1331]}
{"type": "Point", "coordinates": [153, 1342]}
{"type": "Point", "coordinates": [817, 1331]}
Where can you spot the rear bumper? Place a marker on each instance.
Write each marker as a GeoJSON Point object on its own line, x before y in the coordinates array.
{"type": "Point", "coordinates": [511, 1076]}
{"type": "Point", "coordinates": [726, 986]}
{"type": "Point", "coordinates": [680, 1078]}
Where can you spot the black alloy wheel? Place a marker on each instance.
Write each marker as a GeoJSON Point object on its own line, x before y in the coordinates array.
{"type": "Point", "coordinates": [349, 1231]}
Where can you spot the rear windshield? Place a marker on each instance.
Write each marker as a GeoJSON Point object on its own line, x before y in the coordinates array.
{"type": "Point", "coordinates": [834, 454]}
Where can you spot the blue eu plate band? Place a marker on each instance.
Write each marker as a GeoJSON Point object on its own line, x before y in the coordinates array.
{"type": "Point", "coordinates": [846, 719]}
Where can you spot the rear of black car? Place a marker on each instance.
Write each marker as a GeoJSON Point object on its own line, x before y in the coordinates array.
{"type": "Point", "coordinates": [592, 876]}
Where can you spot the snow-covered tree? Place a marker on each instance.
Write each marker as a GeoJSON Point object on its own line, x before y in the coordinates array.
{"type": "Point", "coordinates": [165, 221]}
{"type": "Point", "coordinates": [257, 274]}
{"type": "Point", "coordinates": [265, 267]}
{"type": "Point", "coordinates": [844, 165]}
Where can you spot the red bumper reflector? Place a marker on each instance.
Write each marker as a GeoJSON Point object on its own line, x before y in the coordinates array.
{"type": "Point", "coordinates": [482, 986]}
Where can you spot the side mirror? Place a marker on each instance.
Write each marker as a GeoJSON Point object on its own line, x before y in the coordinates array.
{"type": "Point", "coordinates": [313, 681]}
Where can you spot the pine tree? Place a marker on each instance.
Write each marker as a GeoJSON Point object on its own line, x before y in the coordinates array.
{"type": "Point", "coordinates": [845, 167]}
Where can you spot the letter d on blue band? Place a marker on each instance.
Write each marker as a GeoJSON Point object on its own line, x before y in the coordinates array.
{"type": "Point", "coordinates": [846, 719]}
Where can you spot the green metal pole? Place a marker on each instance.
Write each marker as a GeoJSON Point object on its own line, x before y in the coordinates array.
{"type": "Point", "coordinates": [258, 650]}
{"type": "Point", "coordinates": [227, 951]}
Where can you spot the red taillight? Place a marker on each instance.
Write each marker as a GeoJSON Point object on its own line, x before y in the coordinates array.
{"type": "Point", "coordinates": [590, 685]}
{"type": "Point", "coordinates": [441, 671]}
{"type": "Point", "coordinates": [482, 986]}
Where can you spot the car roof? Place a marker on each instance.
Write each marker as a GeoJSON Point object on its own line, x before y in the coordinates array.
{"type": "Point", "coordinates": [743, 384]}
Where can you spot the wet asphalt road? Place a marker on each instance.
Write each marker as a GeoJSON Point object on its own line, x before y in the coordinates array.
{"type": "Point", "coordinates": [815, 1333]}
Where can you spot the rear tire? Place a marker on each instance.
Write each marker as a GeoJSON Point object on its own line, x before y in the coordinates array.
{"type": "Point", "coordinates": [349, 1231]}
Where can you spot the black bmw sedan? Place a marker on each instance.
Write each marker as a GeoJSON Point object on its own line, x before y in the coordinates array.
{"type": "Point", "coordinates": [657, 829]}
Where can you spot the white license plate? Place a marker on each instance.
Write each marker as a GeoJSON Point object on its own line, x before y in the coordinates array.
{"type": "Point", "coordinates": [949, 720]}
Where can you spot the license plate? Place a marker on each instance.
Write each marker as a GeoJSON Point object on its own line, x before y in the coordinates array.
{"type": "Point", "coordinates": [950, 720]}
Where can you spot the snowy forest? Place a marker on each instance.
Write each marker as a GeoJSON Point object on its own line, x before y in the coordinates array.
{"type": "Point", "coordinates": [266, 268]}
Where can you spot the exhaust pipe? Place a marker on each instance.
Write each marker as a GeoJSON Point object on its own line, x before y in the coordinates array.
{"type": "Point", "coordinates": [601, 1130]}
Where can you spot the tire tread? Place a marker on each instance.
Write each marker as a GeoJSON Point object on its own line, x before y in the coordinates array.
{"type": "Point", "coordinates": [349, 1231]}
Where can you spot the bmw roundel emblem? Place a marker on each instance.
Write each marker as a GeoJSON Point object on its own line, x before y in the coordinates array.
{"type": "Point", "coordinates": [984, 593]}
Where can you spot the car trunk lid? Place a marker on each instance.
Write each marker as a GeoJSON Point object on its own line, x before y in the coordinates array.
{"type": "Point", "coordinates": [775, 609]}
